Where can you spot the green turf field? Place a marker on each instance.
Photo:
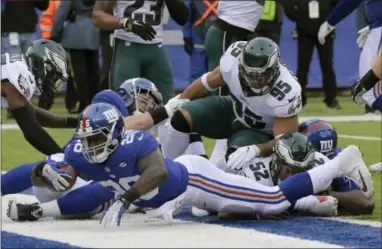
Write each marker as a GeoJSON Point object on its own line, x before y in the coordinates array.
{"type": "Point", "coordinates": [15, 150]}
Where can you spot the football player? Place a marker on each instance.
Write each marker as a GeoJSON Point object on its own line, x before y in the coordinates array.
{"type": "Point", "coordinates": [164, 185]}
{"type": "Point", "coordinates": [369, 88]}
{"type": "Point", "coordinates": [264, 101]}
{"type": "Point", "coordinates": [292, 153]}
{"type": "Point", "coordinates": [354, 192]}
{"type": "Point", "coordinates": [41, 70]}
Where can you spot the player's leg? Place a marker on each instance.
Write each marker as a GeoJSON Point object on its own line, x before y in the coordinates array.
{"type": "Point", "coordinates": [17, 179]}
{"type": "Point", "coordinates": [210, 117]}
{"type": "Point", "coordinates": [83, 202]}
{"type": "Point", "coordinates": [157, 68]}
{"type": "Point", "coordinates": [126, 62]}
{"type": "Point", "coordinates": [212, 189]}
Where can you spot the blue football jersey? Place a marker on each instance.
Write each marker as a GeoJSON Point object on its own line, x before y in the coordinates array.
{"type": "Point", "coordinates": [343, 184]}
{"type": "Point", "coordinates": [119, 172]}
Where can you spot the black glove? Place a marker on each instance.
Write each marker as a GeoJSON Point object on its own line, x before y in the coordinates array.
{"type": "Point", "coordinates": [188, 45]}
{"type": "Point", "coordinates": [143, 30]}
{"type": "Point", "coordinates": [357, 90]}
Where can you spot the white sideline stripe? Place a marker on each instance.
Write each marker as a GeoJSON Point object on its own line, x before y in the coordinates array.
{"type": "Point", "coordinates": [360, 137]}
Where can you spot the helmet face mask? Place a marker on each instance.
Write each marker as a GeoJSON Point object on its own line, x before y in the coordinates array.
{"type": "Point", "coordinates": [100, 130]}
{"type": "Point", "coordinates": [293, 153]}
{"type": "Point", "coordinates": [140, 95]}
{"type": "Point", "coordinates": [259, 66]}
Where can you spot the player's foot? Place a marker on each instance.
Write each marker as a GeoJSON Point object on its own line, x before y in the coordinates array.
{"type": "Point", "coordinates": [349, 160]}
{"type": "Point", "coordinates": [369, 110]}
{"type": "Point", "coordinates": [377, 167]}
{"type": "Point", "coordinates": [199, 212]}
{"type": "Point", "coordinates": [333, 104]}
{"type": "Point", "coordinates": [23, 212]}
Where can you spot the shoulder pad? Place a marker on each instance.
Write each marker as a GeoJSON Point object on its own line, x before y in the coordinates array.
{"type": "Point", "coordinates": [319, 159]}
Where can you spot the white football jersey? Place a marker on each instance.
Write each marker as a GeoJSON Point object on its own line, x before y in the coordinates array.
{"type": "Point", "coordinates": [15, 70]}
{"type": "Point", "coordinates": [259, 170]}
{"type": "Point", "coordinates": [259, 112]}
{"type": "Point", "coordinates": [148, 11]}
{"type": "Point", "coordinates": [243, 14]}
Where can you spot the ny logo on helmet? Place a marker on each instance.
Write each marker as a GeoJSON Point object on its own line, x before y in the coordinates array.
{"type": "Point", "coordinates": [326, 145]}
{"type": "Point", "coordinates": [111, 115]}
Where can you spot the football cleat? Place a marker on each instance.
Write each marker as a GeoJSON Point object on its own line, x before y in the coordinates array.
{"type": "Point", "coordinates": [24, 212]}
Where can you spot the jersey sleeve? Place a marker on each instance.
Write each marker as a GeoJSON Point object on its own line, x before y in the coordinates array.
{"type": "Point", "coordinates": [230, 58]}
{"type": "Point", "coordinates": [140, 143]}
{"type": "Point", "coordinates": [17, 73]}
{"type": "Point", "coordinates": [112, 98]}
{"type": "Point", "coordinates": [342, 10]}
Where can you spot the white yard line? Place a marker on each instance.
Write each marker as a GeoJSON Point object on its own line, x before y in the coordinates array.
{"type": "Point", "coordinates": [360, 137]}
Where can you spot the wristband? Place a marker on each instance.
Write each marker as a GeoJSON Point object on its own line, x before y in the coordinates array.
{"type": "Point", "coordinates": [204, 81]}
{"type": "Point", "coordinates": [71, 122]}
{"type": "Point", "coordinates": [159, 114]}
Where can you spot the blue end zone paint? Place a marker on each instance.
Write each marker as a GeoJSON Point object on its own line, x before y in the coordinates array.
{"type": "Point", "coordinates": [310, 228]}
{"type": "Point", "coordinates": [13, 240]}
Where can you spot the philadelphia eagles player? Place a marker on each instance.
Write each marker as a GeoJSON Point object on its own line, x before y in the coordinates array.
{"type": "Point", "coordinates": [41, 70]}
{"type": "Point", "coordinates": [264, 101]}
{"type": "Point", "coordinates": [138, 49]}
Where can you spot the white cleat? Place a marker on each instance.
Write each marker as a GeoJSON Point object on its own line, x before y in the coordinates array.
{"type": "Point", "coordinates": [377, 167]}
{"type": "Point", "coordinates": [199, 212]}
{"type": "Point", "coordinates": [349, 160]}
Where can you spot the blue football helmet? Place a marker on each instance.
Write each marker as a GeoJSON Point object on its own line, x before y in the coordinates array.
{"type": "Point", "coordinates": [322, 135]}
{"type": "Point", "coordinates": [140, 95]}
{"type": "Point", "coordinates": [100, 129]}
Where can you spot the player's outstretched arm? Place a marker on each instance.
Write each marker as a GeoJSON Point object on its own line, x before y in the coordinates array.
{"type": "Point", "coordinates": [102, 15]}
{"type": "Point", "coordinates": [153, 174]}
{"type": "Point", "coordinates": [25, 117]}
{"type": "Point", "coordinates": [50, 120]}
{"type": "Point", "coordinates": [202, 86]}
{"type": "Point", "coordinates": [353, 202]}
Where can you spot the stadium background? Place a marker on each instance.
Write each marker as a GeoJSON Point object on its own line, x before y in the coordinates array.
{"type": "Point", "coordinates": [345, 58]}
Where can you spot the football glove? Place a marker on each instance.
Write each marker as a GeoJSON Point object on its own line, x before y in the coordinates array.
{"type": "Point", "coordinates": [174, 104]}
{"type": "Point", "coordinates": [55, 176]}
{"type": "Point", "coordinates": [143, 30]}
{"type": "Point", "coordinates": [113, 215]}
{"type": "Point", "coordinates": [325, 30]}
{"type": "Point", "coordinates": [242, 157]}
{"type": "Point", "coordinates": [325, 206]}
{"type": "Point", "coordinates": [357, 90]}
{"type": "Point", "coordinates": [362, 36]}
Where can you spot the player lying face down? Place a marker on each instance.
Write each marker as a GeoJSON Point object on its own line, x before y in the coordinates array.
{"type": "Point", "coordinates": [355, 197]}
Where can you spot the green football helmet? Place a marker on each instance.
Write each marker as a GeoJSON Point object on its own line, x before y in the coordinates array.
{"type": "Point", "coordinates": [259, 66]}
{"type": "Point", "coordinates": [48, 62]}
{"type": "Point", "coordinates": [292, 151]}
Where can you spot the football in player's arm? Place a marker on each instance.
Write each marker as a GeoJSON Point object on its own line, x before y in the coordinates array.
{"type": "Point", "coordinates": [22, 76]}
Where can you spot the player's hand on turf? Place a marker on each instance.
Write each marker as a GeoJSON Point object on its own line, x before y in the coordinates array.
{"type": "Point", "coordinates": [56, 177]}
{"type": "Point", "coordinates": [357, 91]}
{"type": "Point", "coordinates": [243, 156]}
{"type": "Point", "coordinates": [325, 30]}
{"type": "Point", "coordinates": [113, 215]}
{"type": "Point", "coordinates": [362, 36]}
{"type": "Point", "coordinates": [325, 206]}
{"type": "Point", "coordinates": [143, 30]}
{"type": "Point", "coordinates": [174, 104]}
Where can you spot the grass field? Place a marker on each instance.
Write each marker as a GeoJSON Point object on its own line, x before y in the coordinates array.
{"type": "Point", "coordinates": [16, 151]}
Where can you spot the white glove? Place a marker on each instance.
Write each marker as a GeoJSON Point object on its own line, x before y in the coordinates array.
{"type": "Point", "coordinates": [242, 157]}
{"type": "Point", "coordinates": [174, 104]}
{"type": "Point", "coordinates": [55, 177]}
{"type": "Point", "coordinates": [325, 206]}
{"type": "Point", "coordinates": [325, 30]}
{"type": "Point", "coordinates": [362, 36]}
{"type": "Point", "coordinates": [113, 215]}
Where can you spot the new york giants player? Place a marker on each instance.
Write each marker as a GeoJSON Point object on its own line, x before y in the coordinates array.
{"type": "Point", "coordinates": [369, 88]}
{"type": "Point", "coordinates": [130, 163]}
{"type": "Point", "coordinates": [355, 191]}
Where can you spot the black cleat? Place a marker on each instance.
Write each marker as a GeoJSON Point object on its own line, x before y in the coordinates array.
{"type": "Point", "coordinates": [24, 212]}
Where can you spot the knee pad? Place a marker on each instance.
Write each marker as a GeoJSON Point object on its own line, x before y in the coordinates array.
{"type": "Point", "coordinates": [230, 150]}
{"type": "Point", "coordinates": [179, 122]}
